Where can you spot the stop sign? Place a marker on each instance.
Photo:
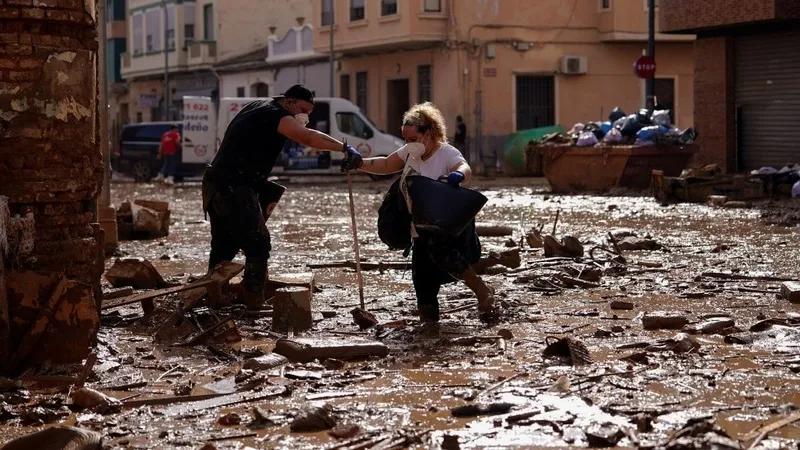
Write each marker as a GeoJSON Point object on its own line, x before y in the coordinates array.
{"type": "Point", "coordinates": [645, 67]}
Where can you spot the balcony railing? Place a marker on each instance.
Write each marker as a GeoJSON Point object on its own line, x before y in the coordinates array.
{"type": "Point", "coordinates": [202, 52]}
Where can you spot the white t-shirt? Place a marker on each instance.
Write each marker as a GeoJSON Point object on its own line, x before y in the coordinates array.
{"type": "Point", "coordinates": [443, 161]}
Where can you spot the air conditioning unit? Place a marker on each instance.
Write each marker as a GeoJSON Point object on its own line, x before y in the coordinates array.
{"type": "Point", "coordinates": [574, 65]}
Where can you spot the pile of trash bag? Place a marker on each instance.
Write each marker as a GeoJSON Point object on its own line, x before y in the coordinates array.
{"type": "Point", "coordinates": [641, 128]}
{"type": "Point", "coordinates": [788, 174]}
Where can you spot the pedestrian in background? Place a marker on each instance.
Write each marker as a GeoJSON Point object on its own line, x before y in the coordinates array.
{"type": "Point", "coordinates": [168, 150]}
{"type": "Point", "coordinates": [460, 139]}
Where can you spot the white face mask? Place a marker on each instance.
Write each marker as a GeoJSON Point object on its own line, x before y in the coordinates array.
{"type": "Point", "coordinates": [302, 119]}
{"type": "Point", "coordinates": [415, 149]}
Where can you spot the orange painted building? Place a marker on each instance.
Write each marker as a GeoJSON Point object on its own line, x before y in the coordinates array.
{"type": "Point", "coordinates": [504, 65]}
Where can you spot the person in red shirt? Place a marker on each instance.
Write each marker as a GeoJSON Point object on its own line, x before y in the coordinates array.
{"type": "Point", "coordinates": [168, 149]}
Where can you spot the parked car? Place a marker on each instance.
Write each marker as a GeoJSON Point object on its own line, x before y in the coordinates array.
{"type": "Point", "coordinates": [137, 151]}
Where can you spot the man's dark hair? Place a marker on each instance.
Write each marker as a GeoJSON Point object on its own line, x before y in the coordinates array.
{"type": "Point", "coordinates": [173, 127]}
{"type": "Point", "coordinates": [459, 119]}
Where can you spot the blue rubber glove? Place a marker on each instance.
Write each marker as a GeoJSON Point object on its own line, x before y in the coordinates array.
{"type": "Point", "coordinates": [455, 178]}
{"type": "Point", "coordinates": [352, 159]}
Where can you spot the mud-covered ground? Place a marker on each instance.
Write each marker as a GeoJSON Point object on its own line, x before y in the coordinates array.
{"type": "Point", "coordinates": [642, 388]}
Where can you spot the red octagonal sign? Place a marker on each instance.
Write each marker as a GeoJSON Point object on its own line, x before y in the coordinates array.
{"type": "Point", "coordinates": [645, 67]}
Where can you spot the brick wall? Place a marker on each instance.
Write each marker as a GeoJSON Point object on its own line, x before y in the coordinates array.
{"type": "Point", "coordinates": [714, 105]}
{"type": "Point", "coordinates": [688, 15]}
{"type": "Point", "coordinates": [50, 162]}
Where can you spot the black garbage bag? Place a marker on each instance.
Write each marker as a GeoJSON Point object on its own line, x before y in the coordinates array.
{"type": "Point", "coordinates": [394, 220]}
{"type": "Point", "coordinates": [629, 126]}
{"type": "Point", "coordinates": [687, 136]}
{"type": "Point", "coordinates": [643, 117]}
{"type": "Point", "coordinates": [439, 207]}
{"type": "Point", "coordinates": [616, 114]}
{"type": "Point", "coordinates": [595, 128]}
{"type": "Point", "coordinates": [268, 196]}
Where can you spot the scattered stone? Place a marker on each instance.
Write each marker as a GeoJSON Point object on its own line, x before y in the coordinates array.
{"type": "Point", "coordinates": [602, 333]}
{"type": "Point", "coordinates": [183, 387]}
{"type": "Point", "coordinates": [135, 272]}
{"type": "Point", "coordinates": [303, 375]}
{"type": "Point", "coordinates": [710, 326]}
{"type": "Point", "coordinates": [333, 364]}
{"type": "Point", "coordinates": [717, 200]}
{"type": "Point", "coordinates": [617, 329]}
{"type": "Point", "coordinates": [345, 431]}
{"type": "Point", "coordinates": [57, 438]}
{"type": "Point", "coordinates": [91, 399]}
{"type": "Point", "coordinates": [790, 290]}
{"type": "Point", "coordinates": [476, 409]}
{"type": "Point", "coordinates": [266, 362]}
{"type": "Point", "coordinates": [292, 309]}
{"type": "Point", "coordinates": [663, 321]}
{"type": "Point", "coordinates": [495, 270]}
{"type": "Point", "coordinates": [492, 230]}
{"type": "Point", "coordinates": [328, 314]}
{"type": "Point", "coordinates": [736, 204]}
{"type": "Point", "coordinates": [621, 305]}
{"type": "Point", "coordinates": [229, 420]}
{"type": "Point", "coordinates": [603, 435]}
{"type": "Point", "coordinates": [505, 333]}
{"type": "Point", "coordinates": [569, 247]}
{"type": "Point", "coordinates": [164, 258]}
{"type": "Point", "coordinates": [364, 319]}
{"type": "Point", "coordinates": [313, 420]}
{"type": "Point", "coordinates": [633, 243]}
{"type": "Point", "coordinates": [680, 343]}
{"type": "Point", "coordinates": [40, 416]}
{"type": "Point", "coordinates": [562, 384]}
{"type": "Point", "coordinates": [261, 419]}
{"type": "Point", "coordinates": [644, 422]}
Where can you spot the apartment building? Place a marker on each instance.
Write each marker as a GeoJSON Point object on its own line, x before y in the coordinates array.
{"type": "Point", "coordinates": [116, 38]}
{"type": "Point", "coordinates": [746, 83]}
{"type": "Point", "coordinates": [503, 65]}
{"type": "Point", "coordinates": [198, 36]}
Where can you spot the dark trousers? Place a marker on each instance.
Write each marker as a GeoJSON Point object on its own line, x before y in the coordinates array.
{"type": "Point", "coordinates": [237, 223]}
{"type": "Point", "coordinates": [170, 164]}
{"type": "Point", "coordinates": [438, 259]}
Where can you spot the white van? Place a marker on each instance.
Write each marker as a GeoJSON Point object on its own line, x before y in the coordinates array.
{"type": "Point", "coordinates": [334, 116]}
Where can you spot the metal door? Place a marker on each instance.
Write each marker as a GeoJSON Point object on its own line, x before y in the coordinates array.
{"type": "Point", "coordinates": [767, 99]}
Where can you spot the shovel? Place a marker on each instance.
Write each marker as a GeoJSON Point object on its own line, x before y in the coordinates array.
{"type": "Point", "coordinates": [355, 240]}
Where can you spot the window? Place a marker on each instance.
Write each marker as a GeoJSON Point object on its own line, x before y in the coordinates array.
{"type": "Point", "coordinates": [188, 23]}
{"type": "Point", "coordinates": [388, 7]}
{"type": "Point", "coordinates": [240, 92]}
{"type": "Point", "coordinates": [152, 24]}
{"type": "Point", "coordinates": [605, 4]}
{"type": "Point", "coordinates": [171, 27]}
{"type": "Point", "coordinates": [138, 117]}
{"type": "Point", "coordinates": [344, 86]}
{"type": "Point", "coordinates": [647, 4]}
{"type": "Point", "coordinates": [424, 83]}
{"type": "Point", "coordinates": [114, 49]}
{"type": "Point", "coordinates": [535, 101]}
{"type": "Point", "coordinates": [433, 5]}
{"type": "Point", "coordinates": [351, 124]}
{"type": "Point", "coordinates": [361, 91]}
{"type": "Point", "coordinates": [208, 22]}
{"type": "Point", "coordinates": [327, 12]}
{"type": "Point", "coordinates": [115, 10]}
{"type": "Point", "coordinates": [138, 34]}
{"type": "Point", "coordinates": [664, 90]}
{"type": "Point", "coordinates": [356, 10]}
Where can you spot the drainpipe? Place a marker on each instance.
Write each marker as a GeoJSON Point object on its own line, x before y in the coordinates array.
{"type": "Point", "coordinates": [479, 110]}
{"type": "Point", "coordinates": [651, 52]}
{"type": "Point", "coordinates": [102, 78]}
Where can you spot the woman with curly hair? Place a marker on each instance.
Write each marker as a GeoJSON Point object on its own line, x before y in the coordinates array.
{"type": "Point", "coordinates": [438, 258]}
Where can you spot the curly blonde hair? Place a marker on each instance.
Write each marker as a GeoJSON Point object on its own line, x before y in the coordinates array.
{"type": "Point", "coordinates": [426, 116]}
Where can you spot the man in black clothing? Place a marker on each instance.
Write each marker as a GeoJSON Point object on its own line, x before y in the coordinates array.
{"type": "Point", "coordinates": [236, 193]}
{"type": "Point", "coordinates": [460, 139]}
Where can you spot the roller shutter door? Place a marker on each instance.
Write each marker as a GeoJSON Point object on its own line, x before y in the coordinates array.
{"type": "Point", "coordinates": [768, 99]}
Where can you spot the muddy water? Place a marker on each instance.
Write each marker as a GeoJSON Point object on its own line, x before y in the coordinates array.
{"type": "Point", "coordinates": [740, 386]}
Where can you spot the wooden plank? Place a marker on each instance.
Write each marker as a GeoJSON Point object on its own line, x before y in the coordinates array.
{"type": "Point", "coordinates": [117, 293]}
{"type": "Point", "coordinates": [221, 274]}
{"type": "Point", "coordinates": [39, 326]}
{"type": "Point", "coordinates": [161, 401]}
{"type": "Point", "coordinates": [5, 323]}
{"type": "Point", "coordinates": [221, 401]}
{"type": "Point", "coordinates": [150, 295]}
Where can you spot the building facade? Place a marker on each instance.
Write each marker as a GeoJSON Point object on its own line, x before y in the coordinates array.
{"type": "Point", "coordinates": [199, 36]}
{"type": "Point", "coordinates": [746, 83]}
{"type": "Point", "coordinates": [503, 65]}
{"type": "Point", "coordinates": [286, 60]}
